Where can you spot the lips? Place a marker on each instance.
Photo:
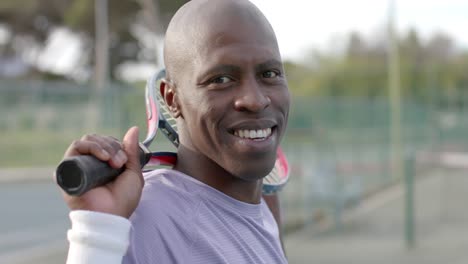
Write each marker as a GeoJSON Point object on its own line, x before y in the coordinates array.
{"type": "Point", "coordinates": [254, 131]}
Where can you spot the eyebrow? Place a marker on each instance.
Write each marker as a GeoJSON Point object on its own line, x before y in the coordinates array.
{"type": "Point", "coordinates": [223, 68]}
{"type": "Point", "coordinates": [268, 64]}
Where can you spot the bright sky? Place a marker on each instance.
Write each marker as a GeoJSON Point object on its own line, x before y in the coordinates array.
{"type": "Point", "coordinates": [304, 24]}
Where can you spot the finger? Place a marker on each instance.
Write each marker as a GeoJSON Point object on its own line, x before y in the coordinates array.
{"type": "Point", "coordinates": [115, 149]}
{"type": "Point", "coordinates": [114, 142]}
{"type": "Point", "coordinates": [111, 145]}
{"type": "Point", "coordinates": [81, 147]}
{"type": "Point", "coordinates": [119, 159]}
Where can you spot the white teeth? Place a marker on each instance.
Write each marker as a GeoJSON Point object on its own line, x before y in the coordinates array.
{"type": "Point", "coordinates": [253, 134]}
{"type": "Point", "coordinates": [260, 133]}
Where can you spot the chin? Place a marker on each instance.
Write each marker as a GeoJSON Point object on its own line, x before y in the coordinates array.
{"type": "Point", "coordinates": [253, 170]}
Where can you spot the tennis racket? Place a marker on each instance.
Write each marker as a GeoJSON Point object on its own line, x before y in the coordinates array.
{"type": "Point", "coordinates": [76, 175]}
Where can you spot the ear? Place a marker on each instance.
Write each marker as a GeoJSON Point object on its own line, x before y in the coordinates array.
{"type": "Point", "coordinates": [171, 98]}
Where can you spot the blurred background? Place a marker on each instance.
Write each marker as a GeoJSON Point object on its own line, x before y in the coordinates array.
{"type": "Point", "coordinates": [377, 137]}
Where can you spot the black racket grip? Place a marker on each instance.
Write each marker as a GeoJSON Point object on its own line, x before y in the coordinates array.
{"type": "Point", "coordinates": [79, 174]}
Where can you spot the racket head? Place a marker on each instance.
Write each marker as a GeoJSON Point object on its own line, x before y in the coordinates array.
{"type": "Point", "coordinates": [167, 123]}
{"type": "Point", "coordinates": [279, 176]}
{"type": "Point", "coordinates": [157, 113]}
{"type": "Point", "coordinates": [152, 109]}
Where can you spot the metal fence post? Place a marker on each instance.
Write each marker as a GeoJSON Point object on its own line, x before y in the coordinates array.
{"type": "Point", "coordinates": [409, 201]}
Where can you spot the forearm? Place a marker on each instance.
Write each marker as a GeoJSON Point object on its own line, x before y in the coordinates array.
{"type": "Point", "coordinates": [97, 238]}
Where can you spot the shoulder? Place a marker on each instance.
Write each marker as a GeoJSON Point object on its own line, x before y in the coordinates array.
{"type": "Point", "coordinates": [168, 193]}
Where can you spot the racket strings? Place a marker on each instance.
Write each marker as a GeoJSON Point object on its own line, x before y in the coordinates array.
{"type": "Point", "coordinates": [166, 114]}
{"type": "Point", "coordinates": [273, 177]}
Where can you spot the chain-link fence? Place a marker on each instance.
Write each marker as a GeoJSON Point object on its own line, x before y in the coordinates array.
{"type": "Point", "coordinates": [338, 147]}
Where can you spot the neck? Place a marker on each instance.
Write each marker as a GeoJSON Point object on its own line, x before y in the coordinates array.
{"type": "Point", "coordinates": [207, 171]}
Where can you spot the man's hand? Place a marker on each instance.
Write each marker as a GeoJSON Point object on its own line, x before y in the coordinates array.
{"type": "Point", "coordinates": [121, 196]}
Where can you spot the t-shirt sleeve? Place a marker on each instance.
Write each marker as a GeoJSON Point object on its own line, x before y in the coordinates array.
{"type": "Point", "coordinates": [97, 238]}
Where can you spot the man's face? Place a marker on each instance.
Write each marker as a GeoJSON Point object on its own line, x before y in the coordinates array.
{"type": "Point", "coordinates": [235, 100]}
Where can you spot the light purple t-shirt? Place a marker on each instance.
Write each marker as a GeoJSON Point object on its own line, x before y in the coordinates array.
{"type": "Point", "coordinates": [182, 220]}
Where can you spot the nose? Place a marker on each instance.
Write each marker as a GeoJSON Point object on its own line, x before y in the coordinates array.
{"type": "Point", "coordinates": [251, 97]}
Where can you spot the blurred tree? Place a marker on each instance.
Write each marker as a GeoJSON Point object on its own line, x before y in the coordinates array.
{"type": "Point", "coordinates": [357, 47]}
{"type": "Point", "coordinates": [362, 69]}
{"type": "Point", "coordinates": [440, 48]}
{"type": "Point", "coordinates": [36, 20]}
{"type": "Point", "coordinates": [411, 64]}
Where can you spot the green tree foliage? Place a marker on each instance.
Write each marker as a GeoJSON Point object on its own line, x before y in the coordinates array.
{"type": "Point", "coordinates": [34, 20]}
{"type": "Point", "coordinates": [434, 66]}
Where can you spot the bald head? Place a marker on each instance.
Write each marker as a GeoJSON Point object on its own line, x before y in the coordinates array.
{"type": "Point", "coordinates": [214, 22]}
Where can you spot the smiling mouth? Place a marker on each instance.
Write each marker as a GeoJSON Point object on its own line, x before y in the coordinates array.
{"type": "Point", "coordinates": [254, 134]}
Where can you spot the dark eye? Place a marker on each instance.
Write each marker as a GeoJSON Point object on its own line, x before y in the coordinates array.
{"type": "Point", "coordinates": [270, 74]}
{"type": "Point", "coordinates": [221, 80]}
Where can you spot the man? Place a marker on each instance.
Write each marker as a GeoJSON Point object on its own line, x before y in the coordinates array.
{"type": "Point", "coordinates": [226, 87]}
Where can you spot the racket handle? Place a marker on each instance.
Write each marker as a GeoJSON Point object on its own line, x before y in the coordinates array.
{"type": "Point", "coordinates": [79, 174]}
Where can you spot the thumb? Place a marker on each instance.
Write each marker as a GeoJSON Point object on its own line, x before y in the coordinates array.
{"type": "Point", "coordinates": [130, 145]}
{"type": "Point", "coordinates": [128, 186]}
